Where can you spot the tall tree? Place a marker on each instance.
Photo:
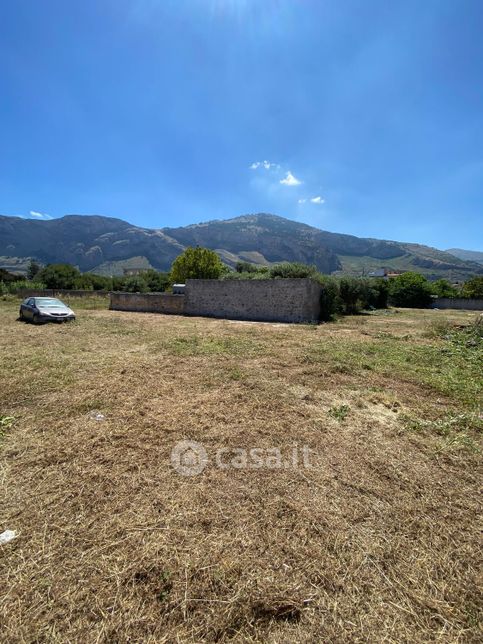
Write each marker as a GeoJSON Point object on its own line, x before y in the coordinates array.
{"type": "Point", "coordinates": [59, 276]}
{"type": "Point", "coordinates": [33, 269]}
{"type": "Point", "coordinates": [196, 263]}
{"type": "Point", "coordinates": [410, 290]}
{"type": "Point", "coordinates": [473, 287]}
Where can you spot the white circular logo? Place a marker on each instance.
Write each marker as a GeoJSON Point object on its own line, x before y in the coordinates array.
{"type": "Point", "coordinates": [189, 458]}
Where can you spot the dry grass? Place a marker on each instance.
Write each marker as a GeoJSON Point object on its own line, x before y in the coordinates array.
{"type": "Point", "coordinates": [376, 542]}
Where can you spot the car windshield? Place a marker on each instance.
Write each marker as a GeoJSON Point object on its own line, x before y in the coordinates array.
{"type": "Point", "coordinates": [50, 304]}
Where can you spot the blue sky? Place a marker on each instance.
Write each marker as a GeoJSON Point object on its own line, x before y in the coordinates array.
{"type": "Point", "coordinates": [363, 117]}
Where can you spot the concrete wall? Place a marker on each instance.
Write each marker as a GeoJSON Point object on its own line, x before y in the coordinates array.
{"type": "Point", "coordinates": [457, 303]}
{"type": "Point", "coordinates": [274, 300]}
{"type": "Point", "coordinates": [148, 302]}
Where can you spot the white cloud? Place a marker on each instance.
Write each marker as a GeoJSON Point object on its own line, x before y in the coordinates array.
{"type": "Point", "coordinates": [266, 165]}
{"type": "Point", "coordinates": [39, 215]}
{"type": "Point", "coordinates": [290, 180]}
{"type": "Point", "coordinates": [316, 200]}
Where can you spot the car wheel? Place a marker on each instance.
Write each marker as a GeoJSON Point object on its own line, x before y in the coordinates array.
{"type": "Point", "coordinates": [36, 319]}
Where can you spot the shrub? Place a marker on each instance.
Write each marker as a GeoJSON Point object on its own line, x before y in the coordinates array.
{"type": "Point", "coordinates": [442, 288]}
{"type": "Point", "coordinates": [247, 267]}
{"type": "Point", "coordinates": [331, 303]}
{"type": "Point", "coordinates": [378, 293]}
{"type": "Point", "coordinates": [135, 284]}
{"type": "Point", "coordinates": [13, 287]}
{"type": "Point", "coordinates": [91, 281]}
{"type": "Point", "coordinates": [63, 276]}
{"type": "Point", "coordinates": [410, 290]}
{"type": "Point", "coordinates": [33, 270]}
{"type": "Point", "coordinates": [354, 294]}
{"type": "Point", "coordinates": [156, 281]}
{"type": "Point", "coordinates": [473, 288]}
{"type": "Point", "coordinates": [6, 277]}
{"type": "Point", "coordinates": [293, 270]}
{"type": "Point", "coordinates": [259, 275]}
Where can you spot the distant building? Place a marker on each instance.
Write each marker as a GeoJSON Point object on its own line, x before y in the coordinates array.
{"type": "Point", "coordinates": [379, 272]}
{"type": "Point", "coordinates": [384, 273]}
{"type": "Point", "coordinates": [129, 272]}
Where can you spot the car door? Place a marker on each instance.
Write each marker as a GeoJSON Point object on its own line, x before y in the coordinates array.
{"type": "Point", "coordinates": [24, 309]}
{"type": "Point", "coordinates": [29, 308]}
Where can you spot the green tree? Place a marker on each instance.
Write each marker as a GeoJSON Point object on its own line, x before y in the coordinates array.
{"type": "Point", "coordinates": [196, 263]}
{"type": "Point", "coordinates": [246, 267]}
{"type": "Point", "coordinates": [33, 269]}
{"type": "Point", "coordinates": [100, 282]}
{"type": "Point", "coordinates": [410, 290]}
{"type": "Point", "coordinates": [6, 276]}
{"type": "Point", "coordinates": [442, 288]}
{"type": "Point", "coordinates": [473, 287]}
{"type": "Point", "coordinates": [331, 303]}
{"type": "Point", "coordinates": [59, 276]}
{"type": "Point", "coordinates": [155, 280]}
{"type": "Point", "coordinates": [354, 294]}
{"type": "Point", "coordinates": [378, 293]}
{"type": "Point", "coordinates": [135, 284]}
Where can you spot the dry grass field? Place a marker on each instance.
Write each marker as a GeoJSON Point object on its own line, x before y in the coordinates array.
{"type": "Point", "coordinates": [376, 541]}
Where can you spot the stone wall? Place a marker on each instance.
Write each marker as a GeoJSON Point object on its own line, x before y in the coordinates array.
{"type": "Point", "coordinates": [148, 302]}
{"type": "Point", "coordinates": [457, 303]}
{"type": "Point", "coordinates": [273, 300]}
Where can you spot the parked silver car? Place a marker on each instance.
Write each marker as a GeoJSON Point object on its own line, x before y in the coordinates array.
{"type": "Point", "coordinates": [45, 309]}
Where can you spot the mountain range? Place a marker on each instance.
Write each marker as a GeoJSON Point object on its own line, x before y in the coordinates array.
{"type": "Point", "coordinates": [106, 245]}
{"type": "Point", "coordinates": [467, 255]}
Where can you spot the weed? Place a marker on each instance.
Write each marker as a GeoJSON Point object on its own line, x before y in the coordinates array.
{"type": "Point", "coordinates": [340, 413]}
{"type": "Point", "coordinates": [5, 423]}
{"type": "Point", "coordinates": [235, 374]}
{"type": "Point", "coordinates": [204, 346]}
{"type": "Point", "coordinates": [458, 430]}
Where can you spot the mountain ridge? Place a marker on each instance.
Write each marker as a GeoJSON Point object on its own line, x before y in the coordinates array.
{"type": "Point", "coordinates": [91, 241]}
{"type": "Point", "coordinates": [467, 255]}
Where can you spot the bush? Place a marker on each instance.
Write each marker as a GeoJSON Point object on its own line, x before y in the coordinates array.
{"type": "Point", "coordinates": [6, 277]}
{"type": "Point", "coordinates": [13, 287]}
{"type": "Point", "coordinates": [135, 284]}
{"type": "Point", "coordinates": [62, 276]}
{"type": "Point", "coordinates": [378, 293]}
{"type": "Point", "coordinates": [246, 267]}
{"type": "Point", "coordinates": [289, 270]}
{"type": "Point", "coordinates": [258, 275]}
{"type": "Point", "coordinates": [473, 288]}
{"type": "Point", "coordinates": [331, 304]}
{"type": "Point", "coordinates": [156, 281]}
{"type": "Point", "coordinates": [442, 288]}
{"type": "Point", "coordinates": [33, 270]}
{"type": "Point", "coordinates": [354, 294]}
{"type": "Point", "coordinates": [91, 281]}
{"type": "Point", "coordinates": [410, 290]}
